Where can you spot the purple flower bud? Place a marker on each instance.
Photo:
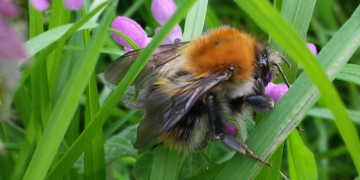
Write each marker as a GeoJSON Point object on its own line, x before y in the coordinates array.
{"type": "Point", "coordinates": [312, 48]}
{"type": "Point", "coordinates": [231, 129]}
{"type": "Point", "coordinates": [131, 29]}
{"type": "Point", "coordinates": [40, 5]}
{"type": "Point", "coordinates": [73, 4]}
{"type": "Point", "coordinates": [162, 10]}
{"type": "Point", "coordinates": [275, 91]}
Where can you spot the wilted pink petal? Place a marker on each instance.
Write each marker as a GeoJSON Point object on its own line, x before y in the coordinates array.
{"type": "Point", "coordinates": [312, 48]}
{"type": "Point", "coordinates": [162, 10]}
{"type": "Point", "coordinates": [231, 129]}
{"type": "Point", "coordinates": [11, 46]}
{"type": "Point", "coordinates": [131, 29]}
{"type": "Point", "coordinates": [73, 4]}
{"type": "Point", "coordinates": [7, 8]}
{"type": "Point", "coordinates": [275, 91]}
{"type": "Point", "coordinates": [40, 5]}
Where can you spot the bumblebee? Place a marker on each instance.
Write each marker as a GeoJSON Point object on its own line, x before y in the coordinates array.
{"type": "Point", "coordinates": [189, 89]}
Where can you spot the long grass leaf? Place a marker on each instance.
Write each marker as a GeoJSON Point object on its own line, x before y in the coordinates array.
{"type": "Point", "coordinates": [65, 109]}
{"type": "Point", "coordinates": [195, 20]}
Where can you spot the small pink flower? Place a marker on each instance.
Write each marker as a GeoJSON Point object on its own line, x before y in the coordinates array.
{"type": "Point", "coordinates": [312, 48]}
{"type": "Point", "coordinates": [42, 5]}
{"type": "Point", "coordinates": [131, 29]}
{"type": "Point", "coordinates": [275, 91]}
{"type": "Point", "coordinates": [162, 11]}
{"type": "Point", "coordinates": [231, 129]}
{"type": "Point", "coordinates": [74, 4]}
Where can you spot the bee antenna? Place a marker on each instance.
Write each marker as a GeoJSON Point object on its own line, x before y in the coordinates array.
{"type": "Point", "coordinates": [286, 61]}
{"type": "Point", "coordinates": [282, 74]}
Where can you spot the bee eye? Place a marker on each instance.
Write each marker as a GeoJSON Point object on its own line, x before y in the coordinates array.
{"type": "Point", "coordinates": [264, 67]}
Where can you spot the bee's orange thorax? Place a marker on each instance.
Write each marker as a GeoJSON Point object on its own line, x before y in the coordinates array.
{"type": "Point", "coordinates": [221, 48]}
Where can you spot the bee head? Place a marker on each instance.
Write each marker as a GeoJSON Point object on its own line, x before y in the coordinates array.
{"type": "Point", "coordinates": [267, 60]}
{"type": "Point", "coordinates": [264, 66]}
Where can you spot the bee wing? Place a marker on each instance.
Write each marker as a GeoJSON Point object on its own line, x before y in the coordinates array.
{"type": "Point", "coordinates": [118, 68]}
{"type": "Point", "coordinates": [164, 112]}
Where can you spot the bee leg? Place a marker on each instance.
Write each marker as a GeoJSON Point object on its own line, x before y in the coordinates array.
{"type": "Point", "coordinates": [156, 145]}
{"type": "Point", "coordinates": [259, 102]}
{"type": "Point", "coordinates": [217, 124]}
{"type": "Point", "coordinates": [215, 119]}
{"type": "Point", "coordinates": [240, 147]}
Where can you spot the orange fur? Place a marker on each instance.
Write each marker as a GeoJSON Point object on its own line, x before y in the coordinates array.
{"type": "Point", "coordinates": [221, 48]}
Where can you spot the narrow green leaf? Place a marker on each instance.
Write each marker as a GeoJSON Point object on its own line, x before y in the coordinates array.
{"type": "Point", "coordinates": [194, 164]}
{"type": "Point", "coordinates": [274, 171]}
{"type": "Point", "coordinates": [143, 166]}
{"type": "Point", "coordinates": [326, 114]}
{"type": "Point", "coordinates": [64, 110]}
{"type": "Point", "coordinates": [298, 13]}
{"type": "Point", "coordinates": [195, 19]}
{"type": "Point", "coordinates": [350, 73]}
{"type": "Point", "coordinates": [288, 112]}
{"type": "Point", "coordinates": [111, 130]}
{"type": "Point", "coordinates": [302, 163]}
{"type": "Point", "coordinates": [165, 164]}
{"type": "Point", "coordinates": [127, 39]}
{"type": "Point", "coordinates": [43, 40]}
{"type": "Point", "coordinates": [119, 145]}
{"type": "Point", "coordinates": [84, 139]}
{"type": "Point", "coordinates": [134, 7]}
{"type": "Point", "coordinates": [211, 19]}
{"type": "Point", "coordinates": [22, 101]}
{"type": "Point", "coordinates": [211, 173]}
{"type": "Point", "coordinates": [34, 127]}
{"type": "Point", "coordinates": [94, 164]}
{"type": "Point", "coordinates": [59, 16]}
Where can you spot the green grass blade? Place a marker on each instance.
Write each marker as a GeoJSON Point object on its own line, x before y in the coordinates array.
{"type": "Point", "coordinates": [84, 139]}
{"type": "Point", "coordinates": [64, 110]}
{"type": "Point", "coordinates": [326, 114]}
{"type": "Point", "coordinates": [127, 39]}
{"type": "Point", "coordinates": [211, 20]}
{"type": "Point", "coordinates": [165, 160]}
{"type": "Point", "coordinates": [94, 162]}
{"type": "Point", "coordinates": [59, 16]}
{"type": "Point", "coordinates": [274, 171]}
{"type": "Point", "coordinates": [34, 127]}
{"type": "Point", "coordinates": [298, 13]}
{"type": "Point", "coordinates": [43, 40]}
{"type": "Point", "coordinates": [302, 163]}
{"type": "Point", "coordinates": [272, 131]}
{"type": "Point", "coordinates": [111, 130]}
{"type": "Point", "coordinates": [195, 20]}
{"type": "Point", "coordinates": [350, 73]}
